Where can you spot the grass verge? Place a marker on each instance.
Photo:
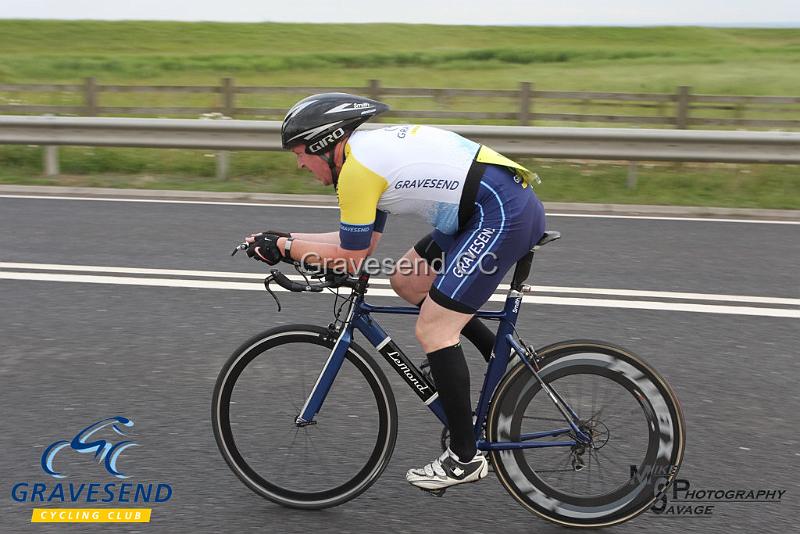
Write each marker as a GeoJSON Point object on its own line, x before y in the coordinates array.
{"type": "Point", "coordinates": [696, 184]}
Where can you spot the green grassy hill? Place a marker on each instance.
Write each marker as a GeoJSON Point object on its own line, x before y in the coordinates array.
{"type": "Point", "coordinates": [712, 60]}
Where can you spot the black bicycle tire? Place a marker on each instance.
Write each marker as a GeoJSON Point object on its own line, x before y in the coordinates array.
{"type": "Point", "coordinates": [549, 355]}
{"type": "Point", "coordinates": [378, 384]}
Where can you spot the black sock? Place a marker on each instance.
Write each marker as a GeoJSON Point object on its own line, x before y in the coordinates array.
{"type": "Point", "coordinates": [478, 334]}
{"type": "Point", "coordinates": [450, 371]}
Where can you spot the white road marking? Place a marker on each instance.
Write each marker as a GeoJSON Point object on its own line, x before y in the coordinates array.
{"type": "Point", "coordinates": [384, 281]}
{"type": "Point", "coordinates": [665, 218]}
{"type": "Point", "coordinates": [129, 270]}
{"type": "Point", "coordinates": [664, 295]}
{"type": "Point", "coordinates": [335, 207]}
{"type": "Point", "coordinates": [132, 281]}
{"type": "Point", "coordinates": [559, 301]}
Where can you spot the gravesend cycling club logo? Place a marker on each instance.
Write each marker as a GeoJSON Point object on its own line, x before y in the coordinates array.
{"type": "Point", "coordinates": [104, 451]}
{"type": "Point", "coordinates": [104, 442]}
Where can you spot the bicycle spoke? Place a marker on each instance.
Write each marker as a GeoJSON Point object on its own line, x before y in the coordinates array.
{"type": "Point", "coordinates": [596, 415]}
{"type": "Point", "coordinates": [600, 467]}
{"type": "Point", "coordinates": [310, 441]}
{"type": "Point", "coordinates": [610, 460]}
{"type": "Point", "coordinates": [556, 419]}
{"type": "Point", "coordinates": [289, 396]}
{"type": "Point", "coordinates": [290, 451]}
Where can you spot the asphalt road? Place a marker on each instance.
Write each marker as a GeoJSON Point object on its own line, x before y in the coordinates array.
{"type": "Point", "coordinates": [73, 353]}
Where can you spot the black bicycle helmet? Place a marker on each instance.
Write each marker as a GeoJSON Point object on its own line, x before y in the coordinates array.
{"type": "Point", "coordinates": [319, 121]}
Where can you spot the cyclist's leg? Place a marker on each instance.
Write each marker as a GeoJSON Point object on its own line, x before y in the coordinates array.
{"type": "Point", "coordinates": [415, 274]}
{"type": "Point", "coordinates": [412, 278]}
{"type": "Point", "coordinates": [438, 330]}
{"type": "Point", "coordinates": [509, 219]}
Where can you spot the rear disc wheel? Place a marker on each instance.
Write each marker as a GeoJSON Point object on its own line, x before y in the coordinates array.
{"type": "Point", "coordinates": [631, 413]}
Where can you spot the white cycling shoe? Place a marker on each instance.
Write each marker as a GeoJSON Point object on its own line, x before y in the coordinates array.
{"type": "Point", "coordinates": [447, 470]}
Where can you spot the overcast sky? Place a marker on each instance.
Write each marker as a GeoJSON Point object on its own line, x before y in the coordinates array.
{"type": "Point", "coordinates": [525, 12]}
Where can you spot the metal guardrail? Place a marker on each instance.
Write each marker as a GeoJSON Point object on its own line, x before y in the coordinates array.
{"type": "Point", "coordinates": [541, 142]}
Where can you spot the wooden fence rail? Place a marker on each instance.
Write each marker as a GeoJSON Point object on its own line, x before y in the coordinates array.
{"type": "Point", "coordinates": [522, 106]}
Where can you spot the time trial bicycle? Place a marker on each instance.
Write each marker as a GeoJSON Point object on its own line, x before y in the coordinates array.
{"type": "Point", "coordinates": [583, 433]}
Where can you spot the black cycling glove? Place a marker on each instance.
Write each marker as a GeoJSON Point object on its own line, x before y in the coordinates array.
{"type": "Point", "coordinates": [265, 248]}
{"type": "Point", "coordinates": [277, 233]}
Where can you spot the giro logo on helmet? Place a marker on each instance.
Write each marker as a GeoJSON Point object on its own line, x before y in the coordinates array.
{"type": "Point", "coordinates": [325, 141]}
{"type": "Point", "coordinates": [349, 106]}
{"type": "Point", "coordinates": [308, 134]}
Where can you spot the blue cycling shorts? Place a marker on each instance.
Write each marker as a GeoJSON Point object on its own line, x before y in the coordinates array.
{"type": "Point", "coordinates": [508, 220]}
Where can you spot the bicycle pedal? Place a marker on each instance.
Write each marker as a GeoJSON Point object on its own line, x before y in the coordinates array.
{"type": "Point", "coordinates": [434, 493]}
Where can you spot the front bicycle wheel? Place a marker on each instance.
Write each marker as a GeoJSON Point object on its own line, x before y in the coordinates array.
{"type": "Point", "coordinates": [258, 395]}
{"type": "Point", "coordinates": [632, 415]}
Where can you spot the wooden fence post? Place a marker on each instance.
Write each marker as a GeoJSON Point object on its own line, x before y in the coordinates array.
{"type": "Point", "coordinates": [525, 90]}
{"type": "Point", "coordinates": [90, 97]}
{"type": "Point", "coordinates": [228, 97]}
{"type": "Point", "coordinates": [374, 89]}
{"type": "Point", "coordinates": [682, 109]}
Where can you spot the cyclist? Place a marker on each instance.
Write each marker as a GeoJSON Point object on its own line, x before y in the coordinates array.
{"type": "Point", "coordinates": [484, 214]}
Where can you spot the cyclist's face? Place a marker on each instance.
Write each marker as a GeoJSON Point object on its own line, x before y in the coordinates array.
{"type": "Point", "coordinates": [315, 164]}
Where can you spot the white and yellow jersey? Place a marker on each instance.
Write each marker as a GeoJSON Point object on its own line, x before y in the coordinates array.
{"type": "Point", "coordinates": [407, 169]}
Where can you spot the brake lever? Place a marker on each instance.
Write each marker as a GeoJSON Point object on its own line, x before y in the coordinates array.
{"type": "Point", "coordinates": [240, 246]}
{"type": "Point", "coordinates": [267, 280]}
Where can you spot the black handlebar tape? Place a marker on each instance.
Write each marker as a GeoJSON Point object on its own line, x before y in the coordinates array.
{"type": "Point", "coordinates": [283, 281]}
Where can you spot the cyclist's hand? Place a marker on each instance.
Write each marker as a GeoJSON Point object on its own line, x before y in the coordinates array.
{"type": "Point", "coordinates": [264, 247]}
{"type": "Point", "coordinates": [279, 233]}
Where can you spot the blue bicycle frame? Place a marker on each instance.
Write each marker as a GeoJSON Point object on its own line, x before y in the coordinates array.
{"type": "Point", "coordinates": [360, 318]}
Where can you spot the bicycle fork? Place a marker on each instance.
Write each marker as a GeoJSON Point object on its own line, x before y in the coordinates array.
{"type": "Point", "coordinates": [325, 379]}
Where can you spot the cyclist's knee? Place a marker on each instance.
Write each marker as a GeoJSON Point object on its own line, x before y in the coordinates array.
{"type": "Point", "coordinates": [404, 286]}
{"type": "Point", "coordinates": [399, 283]}
{"type": "Point", "coordinates": [432, 338]}
{"type": "Point", "coordinates": [412, 277]}
{"type": "Point", "coordinates": [437, 327]}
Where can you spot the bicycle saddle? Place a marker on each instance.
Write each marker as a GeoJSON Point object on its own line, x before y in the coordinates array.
{"type": "Point", "coordinates": [546, 238]}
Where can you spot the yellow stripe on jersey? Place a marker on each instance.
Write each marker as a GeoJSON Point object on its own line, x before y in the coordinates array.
{"type": "Point", "coordinates": [487, 155]}
{"type": "Point", "coordinates": [359, 190]}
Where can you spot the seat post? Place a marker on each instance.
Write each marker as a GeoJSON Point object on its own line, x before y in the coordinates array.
{"type": "Point", "coordinates": [522, 271]}
{"type": "Point", "coordinates": [523, 268]}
